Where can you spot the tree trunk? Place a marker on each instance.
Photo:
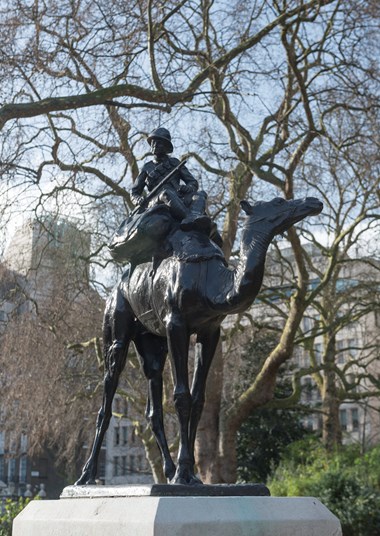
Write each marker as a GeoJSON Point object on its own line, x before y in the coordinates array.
{"type": "Point", "coordinates": [206, 444]}
{"type": "Point", "coordinates": [153, 455]}
{"type": "Point", "coordinates": [227, 452]}
{"type": "Point", "coordinates": [331, 429]}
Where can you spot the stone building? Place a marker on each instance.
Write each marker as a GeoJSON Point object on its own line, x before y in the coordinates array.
{"type": "Point", "coordinates": [124, 455]}
{"type": "Point", "coordinates": [344, 320]}
{"type": "Point", "coordinates": [42, 256]}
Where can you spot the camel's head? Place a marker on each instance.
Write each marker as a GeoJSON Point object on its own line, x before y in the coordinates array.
{"type": "Point", "coordinates": [278, 215]}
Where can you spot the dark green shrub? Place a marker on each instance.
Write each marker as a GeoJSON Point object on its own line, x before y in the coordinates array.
{"type": "Point", "coordinates": [355, 505]}
{"type": "Point", "coordinates": [346, 482]}
{"type": "Point", "coordinates": [261, 441]}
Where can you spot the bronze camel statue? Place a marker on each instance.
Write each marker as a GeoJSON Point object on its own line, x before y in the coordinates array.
{"type": "Point", "coordinates": [187, 289]}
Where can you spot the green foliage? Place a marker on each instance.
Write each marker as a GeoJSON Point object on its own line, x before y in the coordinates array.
{"type": "Point", "coordinates": [11, 510]}
{"type": "Point", "coordinates": [261, 441]}
{"type": "Point", "coordinates": [355, 505]}
{"type": "Point", "coordinates": [346, 482]}
{"type": "Point", "coordinates": [263, 437]}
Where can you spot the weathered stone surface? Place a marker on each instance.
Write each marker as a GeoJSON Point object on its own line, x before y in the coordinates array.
{"type": "Point", "coordinates": [177, 516]}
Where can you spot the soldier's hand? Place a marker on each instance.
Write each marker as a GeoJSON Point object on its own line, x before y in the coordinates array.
{"type": "Point", "coordinates": [186, 189]}
{"type": "Point", "coordinates": [137, 200]}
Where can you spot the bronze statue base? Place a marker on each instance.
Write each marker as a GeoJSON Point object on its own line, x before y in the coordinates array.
{"type": "Point", "coordinates": [167, 490]}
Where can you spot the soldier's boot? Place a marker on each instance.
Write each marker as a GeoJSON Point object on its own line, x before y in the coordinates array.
{"type": "Point", "coordinates": [216, 236]}
{"type": "Point", "coordinates": [197, 220]}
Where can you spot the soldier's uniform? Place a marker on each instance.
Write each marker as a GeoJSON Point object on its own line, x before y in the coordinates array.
{"type": "Point", "coordinates": [185, 202]}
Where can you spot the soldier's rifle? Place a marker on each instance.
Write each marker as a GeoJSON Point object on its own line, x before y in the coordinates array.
{"type": "Point", "coordinates": [156, 189]}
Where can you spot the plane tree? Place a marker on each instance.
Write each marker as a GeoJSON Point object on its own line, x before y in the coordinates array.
{"type": "Point", "coordinates": [247, 90]}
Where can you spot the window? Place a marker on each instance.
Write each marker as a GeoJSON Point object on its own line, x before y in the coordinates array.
{"type": "Point", "coordinates": [352, 347]}
{"type": "Point", "coordinates": [116, 466]}
{"type": "Point", "coordinates": [125, 407]}
{"type": "Point", "coordinates": [308, 389]}
{"type": "Point", "coordinates": [58, 230]}
{"type": "Point", "coordinates": [23, 443]}
{"type": "Point", "coordinates": [318, 353]}
{"type": "Point", "coordinates": [340, 347]}
{"type": "Point", "coordinates": [125, 435]}
{"type": "Point", "coordinates": [22, 469]}
{"type": "Point", "coordinates": [2, 468]}
{"type": "Point", "coordinates": [1, 442]}
{"type": "Point", "coordinates": [12, 443]}
{"type": "Point", "coordinates": [124, 465]}
{"type": "Point", "coordinates": [320, 422]}
{"type": "Point", "coordinates": [309, 423]}
{"type": "Point", "coordinates": [377, 319]}
{"type": "Point", "coordinates": [355, 419]}
{"type": "Point", "coordinates": [345, 284]}
{"type": "Point", "coordinates": [300, 358]}
{"type": "Point", "coordinates": [343, 419]}
{"type": "Point", "coordinates": [102, 467]}
{"type": "Point", "coordinates": [11, 470]}
{"type": "Point", "coordinates": [140, 462]}
{"type": "Point", "coordinates": [116, 441]}
{"type": "Point", "coordinates": [307, 324]}
{"type": "Point", "coordinates": [132, 464]}
{"type": "Point", "coordinates": [116, 405]}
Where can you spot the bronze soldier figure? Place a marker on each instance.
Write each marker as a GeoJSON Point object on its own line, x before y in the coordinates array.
{"type": "Point", "coordinates": [186, 202]}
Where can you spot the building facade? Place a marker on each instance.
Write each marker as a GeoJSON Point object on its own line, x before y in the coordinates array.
{"type": "Point", "coordinates": [339, 332]}
{"type": "Point", "coordinates": [43, 256]}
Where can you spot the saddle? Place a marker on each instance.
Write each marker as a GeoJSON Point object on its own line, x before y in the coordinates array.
{"type": "Point", "coordinates": [142, 235]}
{"type": "Point", "coordinates": [195, 247]}
{"type": "Point", "coordinates": [151, 236]}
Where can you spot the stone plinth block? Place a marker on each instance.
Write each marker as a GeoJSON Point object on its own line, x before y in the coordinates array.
{"type": "Point", "coordinates": [146, 515]}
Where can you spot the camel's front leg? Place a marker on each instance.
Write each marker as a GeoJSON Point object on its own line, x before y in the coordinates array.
{"type": "Point", "coordinates": [178, 342]}
{"type": "Point", "coordinates": [209, 340]}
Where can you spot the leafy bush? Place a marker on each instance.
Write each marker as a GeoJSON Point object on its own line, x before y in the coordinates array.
{"type": "Point", "coordinates": [262, 438]}
{"type": "Point", "coordinates": [356, 506]}
{"type": "Point", "coordinates": [261, 441]}
{"type": "Point", "coordinates": [346, 482]}
{"type": "Point", "coordinates": [11, 510]}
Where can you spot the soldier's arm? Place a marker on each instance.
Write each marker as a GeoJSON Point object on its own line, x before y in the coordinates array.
{"type": "Point", "coordinates": [139, 185]}
{"type": "Point", "coordinates": [189, 179]}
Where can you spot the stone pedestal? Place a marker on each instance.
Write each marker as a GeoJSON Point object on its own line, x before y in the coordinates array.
{"type": "Point", "coordinates": [134, 511]}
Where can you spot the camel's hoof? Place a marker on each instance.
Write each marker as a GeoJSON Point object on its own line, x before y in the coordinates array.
{"type": "Point", "coordinates": [189, 481]}
{"type": "Point", "coordinates": [194, 481]}
{"type": "Point", "coordinates": [178, 480]}
{"type": "Point", "coordinates": [170, 474]}
{"type": "Point", "coordinates": [186, 477]}
{"type": "Point", "coordinates": [85, 481]}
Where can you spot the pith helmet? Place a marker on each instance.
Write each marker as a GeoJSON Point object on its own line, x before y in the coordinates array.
{"type": "Point", "coordinates": [162, 134]}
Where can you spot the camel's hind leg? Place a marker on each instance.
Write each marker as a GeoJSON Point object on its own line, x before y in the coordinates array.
{"type": "Point", "coordinates": [152, 351]}
{"type": "Point", "coordinates": [118, 329]}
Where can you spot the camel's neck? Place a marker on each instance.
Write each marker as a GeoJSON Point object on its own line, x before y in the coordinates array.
{"type": "Point", "coordinates": [249, 273]}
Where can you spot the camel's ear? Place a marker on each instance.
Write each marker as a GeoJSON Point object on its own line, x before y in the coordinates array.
{"type": "Point", "coordinates": [248, 209]}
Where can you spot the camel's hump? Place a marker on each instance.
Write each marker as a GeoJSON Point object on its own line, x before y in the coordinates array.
{"type": "Point", "coordinates": [195, 247]}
